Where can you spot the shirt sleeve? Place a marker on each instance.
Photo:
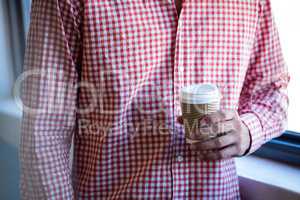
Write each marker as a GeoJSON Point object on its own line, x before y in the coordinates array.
{"type": "Point", "coordinates": [49, 95]}
{"type": "Point", "coordinates": [263, 101]}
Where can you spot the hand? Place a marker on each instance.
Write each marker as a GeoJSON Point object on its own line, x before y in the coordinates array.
{"type": "Point", "coordinates": [234, 142]}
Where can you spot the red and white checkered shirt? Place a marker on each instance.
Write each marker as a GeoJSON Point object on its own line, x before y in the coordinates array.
{"type": "Point", "coordinates": [108, 73]}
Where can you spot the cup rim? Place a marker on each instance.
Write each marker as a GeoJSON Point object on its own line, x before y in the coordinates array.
{"type": "Point", "coordinates": [201, 98]}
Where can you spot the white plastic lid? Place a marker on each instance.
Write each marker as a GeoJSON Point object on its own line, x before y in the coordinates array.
{"type": "Point", "coordinates": [200, 94]}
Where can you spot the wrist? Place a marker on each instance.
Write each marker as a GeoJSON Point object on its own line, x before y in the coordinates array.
{"type": "Point", "coordinates": [246, 140]}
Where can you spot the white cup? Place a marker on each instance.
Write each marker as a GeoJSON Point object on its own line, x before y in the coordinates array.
{"type": "Point", "coordinates": [198, 100]}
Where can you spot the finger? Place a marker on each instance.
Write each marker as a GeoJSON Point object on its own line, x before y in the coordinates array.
{"type": "Point", "coordinates": [213, 130]}
{"type": "Point", "coordinates": [218, 116]}
{"type": "Point", "coordinates": [200, 154]}
{"type": "Point", "coordinates": [227, 152]}
{"type": "Point", "coordinates": [179, 119]}
{"type": "Point", "coordinates": [218, 128]}
{"type": "Point", "coordinates": [216, 143]}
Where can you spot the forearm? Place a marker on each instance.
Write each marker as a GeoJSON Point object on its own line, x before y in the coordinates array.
{"type": "Point", "coordinates": [263, 100]}
{"type": "Point", "coordinates": [265, 117]}
{"type": "Point", "coordinates": [44, 161]}
{"type": "Point", "coordinates": [49, 95]}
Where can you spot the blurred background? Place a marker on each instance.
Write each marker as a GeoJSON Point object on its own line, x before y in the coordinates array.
{"type": "Point", "coordinates": [14, 22]}
{"type": "Point", "coordinates": [283, 152]}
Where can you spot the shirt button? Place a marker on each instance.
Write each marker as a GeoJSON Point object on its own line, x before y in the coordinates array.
{"type": "Point", "coordinates": [179, 158]}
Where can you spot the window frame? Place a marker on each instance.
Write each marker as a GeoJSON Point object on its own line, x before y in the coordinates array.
{"type": "Point", "coordinates": [285, 148]}
{"type": "Point", "coordinates": [26, 14]}
{"type": "Point", "coordinates": [17, 39]}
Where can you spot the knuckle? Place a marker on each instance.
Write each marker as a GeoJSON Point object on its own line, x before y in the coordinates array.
{"type": "Point", "coordinates": [233, 131]}
{"type": "Point", "coordinates": [222, 154]}
{"type": "Point", "coordinates": [235, 138]}
{"type": "Point", "coordinates": [226, 127]}
{"type": "Point", "coordinates": [238, 136]}
{"type": "Point", "coordinates": [222, 114]}
{"type": "Point", "coordinates": [235, 127]}
{"type": "Point", "coordinates": [230, 126]}
{"type": "Point", "coordinates": [218, 142]}
{"type": "Point", "coordinates": [214, 117]}
{"type": "Point", "coordinates": [238, 148]}
{"type": "Point", "coordinates": [219, 155]}
{"type": "Point", "coordinates": [209, 117]}
{"type": "Point", "coordinates": [196, 134]}
{"type": "Point", "coordinates": [205, 120]}
{"type": "Point", "coordinates": [216, 128]}
{"type": "Point", "coordinates": [204, 131]}
{"type": "Point", "coordinates": [238, 125]}
{"type": "Point", "coordinates": [232, 113]}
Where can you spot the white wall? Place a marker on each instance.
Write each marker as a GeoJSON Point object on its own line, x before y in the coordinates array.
{"type": "Point", "coordinates": [287, 16]}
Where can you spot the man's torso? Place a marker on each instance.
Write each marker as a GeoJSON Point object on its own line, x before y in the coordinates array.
{"type": "Point", "coordinates": [136, 57]}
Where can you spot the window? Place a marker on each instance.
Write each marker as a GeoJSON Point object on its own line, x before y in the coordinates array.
{"type": "Point", "coordinates": [12, 42]}
{"type": "Point", "coordinates": [287, 147]}
{"type": "Point", "coordinates": [287, 18]}
{"type": "Point", "coordinates": [26, 14]}
{"type": "Point", "coordinates": [18, 15]}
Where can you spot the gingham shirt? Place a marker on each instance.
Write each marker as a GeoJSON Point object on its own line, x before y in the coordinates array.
{"type": "Point", "coordinates": [108, 73]}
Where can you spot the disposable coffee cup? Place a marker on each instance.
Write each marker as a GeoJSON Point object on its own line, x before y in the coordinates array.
{"type": "Point", "coordinates": [198, 100]}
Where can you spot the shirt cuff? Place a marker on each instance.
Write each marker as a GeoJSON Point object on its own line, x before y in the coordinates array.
{"type": "Point", "coordinates": [255, 129]}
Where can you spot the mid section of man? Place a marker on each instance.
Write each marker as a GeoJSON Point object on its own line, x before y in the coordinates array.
{"type": "Point", "coordinates": [108, 73]}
